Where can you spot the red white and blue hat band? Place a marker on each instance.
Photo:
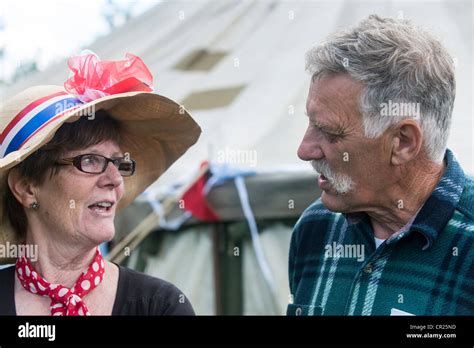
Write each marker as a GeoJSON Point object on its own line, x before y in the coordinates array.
{"type": "Point", "coordinates": [33, 118]}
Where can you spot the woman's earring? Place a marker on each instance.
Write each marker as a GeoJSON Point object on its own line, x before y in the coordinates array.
{"type": "Point", "coordinates": [35, 205]}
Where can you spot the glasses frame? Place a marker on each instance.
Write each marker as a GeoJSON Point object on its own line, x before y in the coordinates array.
{"type": "Point", "coordinates": [76, 162]}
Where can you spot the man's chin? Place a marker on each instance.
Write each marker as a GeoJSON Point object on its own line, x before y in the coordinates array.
{"type": "Point", "coordinates": [334, 201]}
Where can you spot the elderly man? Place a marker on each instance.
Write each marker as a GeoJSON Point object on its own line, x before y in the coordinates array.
{"type": "Point", "coordinates": [393, 231]}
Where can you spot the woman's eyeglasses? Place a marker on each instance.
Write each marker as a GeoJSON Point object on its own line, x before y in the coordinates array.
{"type": "Point", "coordinates": [97, 164]}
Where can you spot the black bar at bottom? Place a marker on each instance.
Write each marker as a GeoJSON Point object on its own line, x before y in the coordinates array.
{"type": "Point", "coordinates": [222, 330]}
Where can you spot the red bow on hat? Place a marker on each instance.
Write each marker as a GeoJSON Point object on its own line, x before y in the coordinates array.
{"type": "Point", "coordinates": [93, 78]}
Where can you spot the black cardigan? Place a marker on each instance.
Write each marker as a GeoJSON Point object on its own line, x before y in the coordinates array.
{"type": "Point", "coordinates": [137, 294]}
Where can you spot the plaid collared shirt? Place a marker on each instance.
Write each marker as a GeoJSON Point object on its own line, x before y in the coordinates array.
{"type": "Point", "coordinates": [427, 268]}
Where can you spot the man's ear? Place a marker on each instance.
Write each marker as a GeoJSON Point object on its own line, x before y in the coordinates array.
{"type": "Point", "coordinates": [23, 191]}
{"type": "Point", "coordinates": [406, 142]}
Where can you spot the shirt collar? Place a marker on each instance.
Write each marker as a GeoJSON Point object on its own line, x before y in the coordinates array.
{"type": "Point", "coordinates": [440, 206]}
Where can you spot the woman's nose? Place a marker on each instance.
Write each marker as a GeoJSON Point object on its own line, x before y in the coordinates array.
{"type": "Point", "coordinates": [113, 175]}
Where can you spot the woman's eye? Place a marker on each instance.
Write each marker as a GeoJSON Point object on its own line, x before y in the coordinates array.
{"type": "Point", "coordinates": [89, 160]}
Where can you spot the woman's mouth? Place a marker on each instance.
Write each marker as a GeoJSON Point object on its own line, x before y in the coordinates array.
{"type": "Point", "coordinates": [103, 208]}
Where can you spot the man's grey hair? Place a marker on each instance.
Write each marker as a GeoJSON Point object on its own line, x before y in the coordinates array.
{"type": "Point", "coordinates": [397, 63]}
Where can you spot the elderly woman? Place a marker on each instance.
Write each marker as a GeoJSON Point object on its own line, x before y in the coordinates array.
{"type": "Point", "coordinates": [69, 161]}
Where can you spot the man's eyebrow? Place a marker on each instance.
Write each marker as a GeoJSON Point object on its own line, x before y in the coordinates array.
{"type": "Point", "coordinates": [326, 127]}
{"type": "Point", "coordinates": [332, 128]}
{"type": "Point", "coordinates": [335, 129]}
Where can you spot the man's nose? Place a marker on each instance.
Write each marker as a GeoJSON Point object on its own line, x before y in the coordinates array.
{"type": "Point", "coordinates": [309, 148]}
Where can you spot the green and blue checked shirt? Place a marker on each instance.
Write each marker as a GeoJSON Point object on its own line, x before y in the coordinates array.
{"type": "Point", "coordinates": [425, 269]}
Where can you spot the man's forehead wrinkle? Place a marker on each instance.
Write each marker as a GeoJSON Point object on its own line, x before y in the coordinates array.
{"type": "Point", "coordinates": [327, 113]}
{"type": "Point", "coordinates": [334, 104]}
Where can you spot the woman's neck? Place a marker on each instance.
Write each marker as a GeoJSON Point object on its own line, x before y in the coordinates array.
{"type": "Point", "coordinates": [61, 263]}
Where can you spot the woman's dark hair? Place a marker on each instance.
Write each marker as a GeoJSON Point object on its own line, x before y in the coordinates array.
{"type": "Point", "coordinates": [85, 132]}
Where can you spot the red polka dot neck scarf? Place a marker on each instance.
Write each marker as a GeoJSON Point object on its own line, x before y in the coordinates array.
{"type": "Point", "coordinates": [64, 301]}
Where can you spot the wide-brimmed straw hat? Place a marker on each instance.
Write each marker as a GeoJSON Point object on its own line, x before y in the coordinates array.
{"type": "Point", "coordinates": [155, 130]}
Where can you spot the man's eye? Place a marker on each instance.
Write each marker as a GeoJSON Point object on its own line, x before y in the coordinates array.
{"type": "Point", "coordinates": [328, 135]}
{"type": "Point", "coordinates": [319, 129]}
{"type": "Point", "coordinates": [331, 137]}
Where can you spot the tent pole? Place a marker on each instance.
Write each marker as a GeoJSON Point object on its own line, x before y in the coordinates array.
{"type": "Point", "coordinates": [216, 236]}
